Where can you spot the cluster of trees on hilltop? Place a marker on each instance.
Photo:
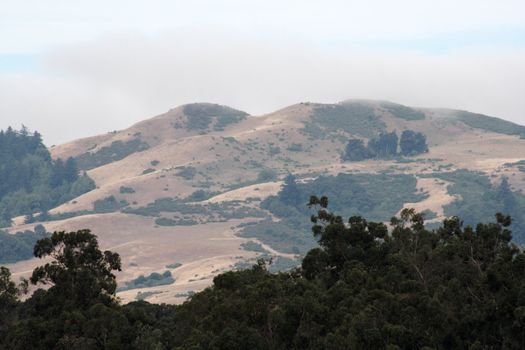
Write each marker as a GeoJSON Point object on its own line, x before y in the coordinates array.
{"type": "Point", "coordinates": [363, 287]}
{"type": "Point", "coordinates": [385, 146]}
{"type": "Point", "coordinates": [30, 180]}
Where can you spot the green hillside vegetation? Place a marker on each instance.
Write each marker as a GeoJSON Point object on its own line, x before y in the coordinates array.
{"type": "Point", "coordinates": [202, 115]}
{"type": "Point", "coordinates": [385, 146]}
{"type": "Point", "coordinates": [154, 279]}
{"type": "Point", "coordinates": [493, 124]}
{"type": "Point", "coordinates": [403, 112]}
{"type": "Point", "coordinates": [354, 118]}
{"type": "Point", "coordinates": [363, 287]}
{"type": "Point", "coordinates": [478, 198]}
{"type": "Point", "coordinates": [108, 154]}
{"type": "Point", "coordinates": [377, 197]}
{"type": "Point", "coordinates": [19, 246]}
{"type": "Point", "coordinates": [32, 182]}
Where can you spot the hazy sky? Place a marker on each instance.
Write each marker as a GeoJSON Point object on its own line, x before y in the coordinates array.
{"type": "Point", "coordinates": [77, 68]}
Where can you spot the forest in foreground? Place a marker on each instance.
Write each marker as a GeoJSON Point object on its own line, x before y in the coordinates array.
{"type": "Point", "coordinates": [366, 286]}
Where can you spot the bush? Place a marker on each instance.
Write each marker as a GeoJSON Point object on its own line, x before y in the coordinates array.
{"type": "Point", "coordinates": [108, 205]}
{"type": "Point", "coordinates": [187, 173]}
{"type": "Point", "coordinates": [154, 279]}
{"type": "Point", "coordinates": [413, 143]}
{"type": "Point", "coordinates": [124, 189]}
{"type": "Point", "coordinates": [116, 151]}
{"type": "Point", "coordinates": [148, 171]}
{"type": "Point", "coordinates": [352, 117]}
{"type": "Point", "coordinates": [266, 175]}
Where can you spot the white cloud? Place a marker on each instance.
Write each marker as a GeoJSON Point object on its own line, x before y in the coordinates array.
{"type": "Point", "coordinates": [106, 64]}
{"type": "Point", "coordinates": [107, 84]}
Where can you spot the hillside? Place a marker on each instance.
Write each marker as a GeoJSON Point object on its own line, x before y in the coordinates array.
{"type": "Point", "coordinates": [195, 191]}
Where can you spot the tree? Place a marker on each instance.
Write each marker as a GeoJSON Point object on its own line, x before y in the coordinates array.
{"type": "Point", "coordinates": [31, 181]}
{"type": "Point", "coordinates": [384, 146]}
{"type": "Point", "coordinates": [290, 193]}
{"type": "Point", "coordinates": [355, 151]}
{"type": "Point", "coordinates": [8, 298]}
{"type": "Point", "coordinates": [8, 289]}
{"type": "Point", "coordinates": [412, 143]}
{"type": "Point", "coordinates": [80, 274]}
{"type": "Point", "coordinates": [71, 170]}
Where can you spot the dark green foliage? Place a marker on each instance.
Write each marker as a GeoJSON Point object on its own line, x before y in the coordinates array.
{"type": "Point", "coordinates": [454, 288]}
{"type": "Point", "coordinates": [187, 173]}
{"type": "Point", "coordinates": [403, 112]}
{"type": "Point", "coordinates": [19, 246]}
{"type": "Point", "coordinates": [174, 265]}
{"type": "Point", "coordinates": [266, 175]}
{"type": "Point", "coordinates": [178, 222]}
{"type": "Point", "coordinates": [80, 274]}
{"type": "Point", "coordinates": [228, 119]}
{"type": "Point", "coordinates": [290, 193]}
{"type": "Point", "coordinates": [283, 235]}
{"type": "Point", "coordinates": [363, 287]}
{"type": "Point", "coordinates": [478, 198]}
{"type": "Point", "coordinates": [493, 124]}
{"type": "Point", "coordinates": [31, 181]}
{"type": "Point", "coordinates": [8, 290]}
{"type": "Point", "coordinates": [105, 205]}
{"type": "Point", "coordinates": [355, 151]}
{"type": "Point", "coordinates": [199, 195]}
{"type": "Point", "coordinates": [383, 146]}
{"type": "Point", "coordinates": [295, 147]}
{"type": "Point", "coordinates": [253, 247]}
{"type": "Point", "coordinates": [108, 205]}
{"type": "Point", "coordinates": [145, 295]}
{"type": "Point", "coordinates": [154, 279]}
{"type": "Point", "coordinates": [124, 189]}
{"type": "Point", "coordinates": [116, 151]}
{"type": "Point", "coordinates": [352, 117]}
{"type": "Point", "coordinates": [274, 150]}
{"type": "Point", "coordinates": [210, 212]}
{"type": "Point", "coordinates": [375, 196]}
{"type": "Point", "coordinates": [412, 143]}
{"type": "Point", "coordinates": [148, 171]}
{"type": "Point", "coordinates": [154, 162]}
{"type": "Point", "coordinates": [201, 115]}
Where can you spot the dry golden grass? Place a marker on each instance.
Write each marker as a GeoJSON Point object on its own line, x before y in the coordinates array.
{"type": "Point", "coordinates": [224, 159]}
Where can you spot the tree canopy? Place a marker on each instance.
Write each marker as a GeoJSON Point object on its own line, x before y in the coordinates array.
{"type": "Point", "coordinates": [385, 146]}
{"type": "Point", "coordinates": [32, 182]}
{"type": "Point", "coordinates": [367, 285]}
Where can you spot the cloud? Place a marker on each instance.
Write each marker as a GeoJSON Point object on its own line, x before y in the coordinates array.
{"type": "Point", "coordinates": [108, 83]}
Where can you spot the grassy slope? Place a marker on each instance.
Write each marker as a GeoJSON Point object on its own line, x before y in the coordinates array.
{"type": "Point", "coordinates": [228, 162]}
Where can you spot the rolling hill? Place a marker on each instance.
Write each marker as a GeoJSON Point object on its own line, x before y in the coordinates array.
{"type": "Point", "coordinates": [196, 191]}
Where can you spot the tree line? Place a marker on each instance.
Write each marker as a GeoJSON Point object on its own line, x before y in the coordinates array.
{"type": "Point", "coordinates": [385, 146]}
{"type": "Point", "coordinates": [366, 286]}
{"type": "Point", "coordinates": [31, 181]}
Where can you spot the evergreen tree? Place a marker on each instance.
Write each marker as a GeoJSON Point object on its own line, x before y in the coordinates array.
{"type": "Point", "coordinates": [413, 143]}
{"type": "Point", "coordinates": [355, 151]}
{"type": "Point", "coordinates": [31, 180]}
{"type": "Point", "coordinates": [384, 146]}
{"type": "Point", "coordinates": [80, 274]}
{"type": "Point", "coordinates": [290, 193]}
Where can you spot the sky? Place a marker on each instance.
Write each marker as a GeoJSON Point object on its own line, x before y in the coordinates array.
{"type": "Point", "coordinates": [72, 69]}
